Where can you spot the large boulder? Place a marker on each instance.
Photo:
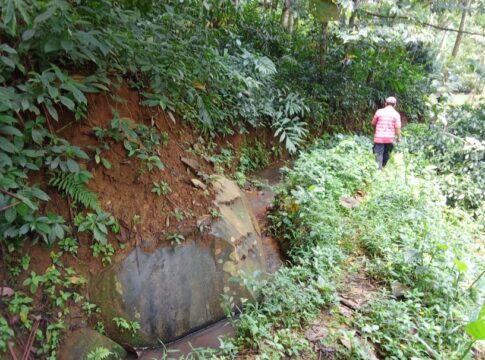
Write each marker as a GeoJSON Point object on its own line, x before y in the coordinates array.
{"type": "Point", "coordinates": [79, 343]}
{"type": "Point", "coordinates": [173, 291]}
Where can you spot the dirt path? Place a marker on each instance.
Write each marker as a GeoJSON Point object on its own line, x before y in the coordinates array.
{"type": "Point", "coordinates": [333, 328]}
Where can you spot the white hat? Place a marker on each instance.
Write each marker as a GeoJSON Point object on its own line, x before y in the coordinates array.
{"type": "Point", "coordinates": [391, 100]}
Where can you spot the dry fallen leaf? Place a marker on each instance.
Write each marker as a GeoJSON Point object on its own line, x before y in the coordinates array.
{"type": "Point", "coordinates": [6, 291]}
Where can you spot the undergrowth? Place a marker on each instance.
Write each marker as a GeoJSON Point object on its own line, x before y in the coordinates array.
{"type": "Point", "coordinates": [408, 235]}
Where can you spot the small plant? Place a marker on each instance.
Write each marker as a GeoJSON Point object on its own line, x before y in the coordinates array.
{"type": "Point", "coordinates": [223, 160]}
{"type": "Point", "coordinates": [178, 214]}
{"type": "Point", "coordinates": [135, 221]}
{"type": "Point", "coordinates": [175, 238]}
{"type": "Point", "coordinates": [33, 281]}
{"type": "Point", "coordinates": [161, 188]}
{"type": "Point", "coordinates": [240, 178]}
{"type": "Point", "coordinates": [74, 185]}
{"type": "Point", "coordinates": [215, 213]}
{"type": "Point", "coordinates": [97, 224]}
{"type": "Point", "coordinates": [21, 305]}
{"type": "Point", "coordinates": [98, 159]}
{"type": "Point", "coordinates": [25, 262]}
{"type": "Point", "coordinates": [105, 250]}
{"type": "Point", "coordinates": [99, 327]}
{"type": "Point", "coordinates": [253, 158]}
{"type": "Point", "coordinates": [100, 353]}
{"type": "Point", "coordinates": [70, 245]}
{"type": "Point", "coordinates": [89, 308]}
{"type": "Point", "coordinates": [125, 325]}
{"type": "Point", "coordinates": [476, 330]}
{"type": "Point", "coordinates": [138, 140]}
{"type": "Point", "coordinates": [6, 333]}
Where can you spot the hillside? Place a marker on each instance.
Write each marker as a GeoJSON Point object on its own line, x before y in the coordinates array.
{"type": "Point", "coordinates": [140, 192]}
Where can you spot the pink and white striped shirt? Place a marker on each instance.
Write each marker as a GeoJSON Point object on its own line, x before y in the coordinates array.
{"type": "Point", "coordinates": [386, 121]}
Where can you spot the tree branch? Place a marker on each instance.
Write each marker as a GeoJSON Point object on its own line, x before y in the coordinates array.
{"type": "Point", "coordinates": [11, 205]}
{"type": "Point", "coordinates": [10, 194]}
{"type": "Point", "coordinates": [368, 13]}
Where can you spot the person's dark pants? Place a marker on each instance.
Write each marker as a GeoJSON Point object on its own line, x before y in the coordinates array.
{"type": "Point", "coordinates": [382, 152]}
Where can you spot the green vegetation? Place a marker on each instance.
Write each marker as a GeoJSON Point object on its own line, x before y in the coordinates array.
{"type": "Point", "coordinates": [295, 68]}
{"type": "Point", "coordinates": [126, 325]}
{"type": "Point", "coordinates": [407, 235]}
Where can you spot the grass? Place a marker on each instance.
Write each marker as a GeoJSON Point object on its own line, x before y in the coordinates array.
{"type": "Point", "coordinates": [407, 236]}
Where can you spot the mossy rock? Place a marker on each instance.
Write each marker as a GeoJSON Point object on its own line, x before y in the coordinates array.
{"type": "Point", "coordinates": [173, 291]}
{"type": "Point", "coordinates": [79, 343]}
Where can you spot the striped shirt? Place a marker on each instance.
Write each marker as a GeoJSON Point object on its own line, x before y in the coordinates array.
{"type": "Point", "coordinates": [386, 121]}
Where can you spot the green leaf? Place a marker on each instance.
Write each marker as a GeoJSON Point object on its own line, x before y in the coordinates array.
{"type": "Point", "coordinates": [80, 98]}
{"type": "Point", "coordinates": [37, 136]}
{"type": "Point", "coordinates": [7, 61]}
{"type": "Point", "coordinates": [7, 146]}
{"type": "Point", "coordinates": [67, 45]}
{"type": "Point", "coordinates": [42, 227]}
{"type": "Point", "coordinates": [9, 16]}
{"type": "Point", "coordinates": [27, 202]}
{"type": "Point", "coordinates": [23, 210]}
{"type": "Point", "coordinates": [7, 119]}
{"type": "Point", "coordinates": [72, 165]}
{"type": "Point", "coordinates": [68, 103]}
{"type": "Point", "coordinates": [10, 130]}
{"type": "Point", "coordinates": [106, 163]}
{"type": "Point", "coordinates": [28, 34]}
{"type": "Point", "coordinates": [99, 236]}
{"type": "Point", "coordinates": [11, 214]}
{"type": "Point", "coordinates": [58, 231]}
{"type": "Point", "coordinates": [462, 267]}
{"type": "Point", "coordinates": [44, 16]}
{"type": "Point", "coordinates": [51, 45]}
{"type": "Point", "coordinates": [5, 160]}
{"type": "Point", "coordinates": [39, 194]}
{"type": "Point", "coordinates": [52, 111]}
{"type": "Point", "coordinates": [476, 329]}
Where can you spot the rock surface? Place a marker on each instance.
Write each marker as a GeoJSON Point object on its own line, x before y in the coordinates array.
{"type": "Point", "coordinates": [173, 291]}
{"type": "Point", "coordinates": [78, 344]}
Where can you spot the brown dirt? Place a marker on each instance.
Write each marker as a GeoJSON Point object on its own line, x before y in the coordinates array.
{"type": "Point", "coordinates": [356, 289]}
{"type": "Point", "coordinates": [125, 191]}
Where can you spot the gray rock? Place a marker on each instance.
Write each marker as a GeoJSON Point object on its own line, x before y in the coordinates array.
{"type": "Point", "coordinates": [79, 343]}
{"type": "Point", "coordinates": [198, 184]}
{"type": "Point", "coordinates": [399, 290]}
{"type": "Point", "coordinates": [192, 164]}
{"type": "Point", "coordinates": [174, 291]}
{"type": "Point", "coordinates": [349, 202]}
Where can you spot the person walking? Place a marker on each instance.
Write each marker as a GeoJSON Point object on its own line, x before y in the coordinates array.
{"type": "Point", "coordinates": [387, 122]}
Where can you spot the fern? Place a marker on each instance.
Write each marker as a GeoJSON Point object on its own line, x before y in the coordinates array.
{"type": "Point", "coordinates": [100, 353]}
{"type": "Point", "coordinates": [74, 185]}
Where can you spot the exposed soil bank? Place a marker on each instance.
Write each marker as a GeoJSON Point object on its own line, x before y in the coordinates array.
{"type": "Point", "coordinates": [209, 337]}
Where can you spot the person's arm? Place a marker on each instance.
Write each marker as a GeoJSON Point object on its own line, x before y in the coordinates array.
{"type": "Point", "coordinates": [375, 119]}
{"type": "Point", "coordinates": [397, 127]}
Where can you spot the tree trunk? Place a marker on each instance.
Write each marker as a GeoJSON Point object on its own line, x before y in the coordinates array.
{"type": "Point", "coordinates": [285, 13]}
{"type": "Point", "coordinates": [275, 5]}
{"type": "Point", "coordinates": [442, 45]}
{"type": "Point", "coordinates": [354, 14]}
{"type": "Point", "coordinates": [466, 8]}
{"type": "Point", "coordinates": [287, 16]}
{"type": "Point", "coordinates": [323, 46]}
